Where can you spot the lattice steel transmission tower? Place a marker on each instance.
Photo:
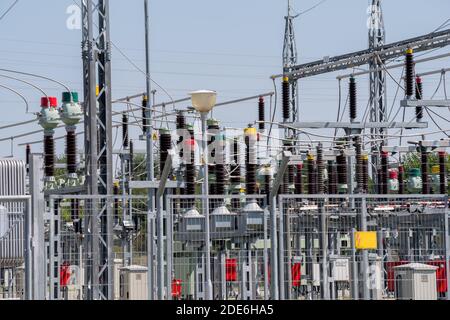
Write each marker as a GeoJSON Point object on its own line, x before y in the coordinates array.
{"type": "Point", "coordinates": [377, 79]}
{"type": "Point", "coordinates": [290, 59]}
{"type": "Point", "coordinates": [98, 149]}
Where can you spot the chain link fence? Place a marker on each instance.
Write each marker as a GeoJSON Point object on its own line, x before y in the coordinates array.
{"type": "Point", "coordinates": [91, 262]}
{"type": "Point", "coordinates": [343, 247]}
{"type": "Point", "coordinates": [238, 248]}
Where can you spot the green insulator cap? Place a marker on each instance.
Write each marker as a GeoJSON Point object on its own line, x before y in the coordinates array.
{"type": "Point", "coordinates": [164, 131]}
{"type": "Point", "coordinates": [414, 172]}
{"type": "Point", "coordinates": [212, 122]}
{"type": "Point", "coordinates": [189, 126]}
{"type": "Point", "coordinates": [66, 97]}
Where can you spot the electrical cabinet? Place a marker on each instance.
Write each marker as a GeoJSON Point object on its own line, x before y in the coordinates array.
{"type": "Point", "coordinates": [133, 283]}
{"type": "Point", "coordinates": [415, 281]}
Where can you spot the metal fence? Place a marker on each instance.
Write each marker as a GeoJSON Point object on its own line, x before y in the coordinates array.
{"type": "Point", "coordinates": [363, 247]}
{"type": "Point", "coordinates": [13, 213]}
{"type": "Point", "coordinates": [77, 268]}
{"type": "Point", "coordinates": [237, 255]}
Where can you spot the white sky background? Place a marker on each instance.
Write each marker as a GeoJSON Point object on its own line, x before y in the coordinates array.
{"type": "Point", "coordinates": [229, 46]}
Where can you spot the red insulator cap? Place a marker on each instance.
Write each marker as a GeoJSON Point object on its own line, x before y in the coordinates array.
{"type": "Point", "coordinates": [441, 153]}
{"type": "Point", "coordinates": [401, 169]}
{"type": "Point", "coordinates": [190, 142]}
{"type": "Point", "coordinates": [418, 79]}
{"type": "Point", "coordinates": [393, 174]}
{"type": "Point", "coordinates": [53, 101]}
{"type": "Point", "coordinates": [300, 166]}
{"type": "Point", "coordinates": [384, 154]}
{"type": "Point", "coordinates": [44, 102]}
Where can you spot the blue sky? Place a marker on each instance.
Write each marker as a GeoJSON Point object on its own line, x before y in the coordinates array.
{"type": "Point", "coordinates": [230, 46]}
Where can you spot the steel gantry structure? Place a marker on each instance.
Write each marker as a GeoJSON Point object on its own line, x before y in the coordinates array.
{"type": "Point", "coordinates": [98, 146]}
{"type": "Point", "coordinates": [290, 59]}
{"type": "Point", "coordinates": [377, 77]}
{"type": "Point", "coordinates": [384, 52]}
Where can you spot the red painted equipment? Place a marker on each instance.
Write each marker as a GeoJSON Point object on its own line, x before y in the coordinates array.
{"type": "Point", "coordinates": [231, 269]}
{"type": "Point", "coordinates": [176, 288]}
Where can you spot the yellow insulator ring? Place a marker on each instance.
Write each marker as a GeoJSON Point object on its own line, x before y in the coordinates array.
{"type": "Point", "coordinates": [435, 169]}
{"type": "Point", "coordinates": [250, 132]}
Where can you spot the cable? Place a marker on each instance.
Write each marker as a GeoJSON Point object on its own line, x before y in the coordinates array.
{"type": "Point", "coordinates": [9, 9]}
{"type": "Point", "coordinates": [432, 119]}
{"type": "Point", "coordinates": [309, 9]}
{"type": "Point", "coordinates": [17, 93]}
{"type": "Point", "coordinates": [39, 76]}
{"type": "Point", "coordinates": [274, 108]}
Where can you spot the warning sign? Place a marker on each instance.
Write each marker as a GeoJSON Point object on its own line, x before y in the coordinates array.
{"type": "Point", "coordinates": [366, 240]}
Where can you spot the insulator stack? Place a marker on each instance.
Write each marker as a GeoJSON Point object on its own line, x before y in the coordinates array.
{"type": "Point", "coordinates": [212, 129]}
{"type": "Point", "coordinates": [401, 179]}
{"type": "Point", "coordinates": [380, 180]}
{"type": "Point", "coordinates": [27, 157]}
{"type": "Point", "coordinates": [365, 167]}
{"type": "Point", "coordinates": [144, 114]}
{"type": "Point", "coordinates": [71, 152]}
{"type": "Point", "coordinates": [125, 131]}
{"type": "Point", "coordinates": [298, 180]}
{"type": "Point", "coordinates": [73, 209]}
{"type": "Point", "coordinates": [352, 99]}
{"type": "Point", "coordinates": [116, 202]}
{"type": "Point", "coordinates": [332, 178]}
{"type": "Point", "coordinates": [442, 173]}
{"type": "Point", "coordinates": [181, 120]}
{"type": "Point", "coordinates": [190, 166]}
{"type": "Point", "coordinates": [288, 178]}
{"type": "Point", "coordinates": [285, 97]}
{"type": "Point", "coordinates": [181, 126]}
{"type": "Point", "coordinates": [49, 155]}
{"type": "Point", "coordinates": [409, 72]}
{"type": "Point", "coordinates": [320, 170]}
{"type": "Point", "coordinates": [419, 96]}
{"type": "Point", "coordinates": [235, 177]}
{"type": "Point", "coordinates": [235, 172]}
{"type": "Point", "coordinates": [165, 144]}
{"type": "Point", "coordinates": [359, 164]}
{"type": "Point", "coordinates": [384, 172]}
{"type": "Point", "coordinates": [261, 113]}
{"type": "Point", "coordinates": [341, 162]}
{"type": "Point", "coordinates": [311, 175]}
{"type": "Point", "coordinates": [220, 179]}
{"type": "Point", "coordinates": [250, 160]}
{"type": "Point", "coordinates": [75, 215]}
{"type": "Point", "coordinates": [424, 167]}
{"type": "Point", "coordinates": [267, 185]}
{"type": "Point", "coordinates": [130, 161]}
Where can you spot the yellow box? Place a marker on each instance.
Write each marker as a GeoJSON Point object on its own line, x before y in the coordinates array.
{"type": "Point", "coordinates": [365, 240]}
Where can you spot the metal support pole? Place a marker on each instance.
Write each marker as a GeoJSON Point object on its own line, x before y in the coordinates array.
{"type": "Point", "coordinates": [274, 249]}
{"type": "Point", "coordinates": [208, 283]}
{"type": "Point", "coordinates": [34, 273]}
{"type": "Point", "coordinates": [354, 267]}
{"type": "Point", "coordinates": [281, 264]}
{"type": "Point", "coordinates": [365, 253]}
{"type": "Point", "coordinates": [265, 259]}
{"type": "Point", "coordinates": [324, 248]}
{"type": "Point", "coordinates": [149, 149]}
{"type": "Point", "coordinates": [447, 246]}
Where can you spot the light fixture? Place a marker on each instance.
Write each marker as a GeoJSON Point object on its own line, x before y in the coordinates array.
{"type": "Point", "coordinates": [203, 100]}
